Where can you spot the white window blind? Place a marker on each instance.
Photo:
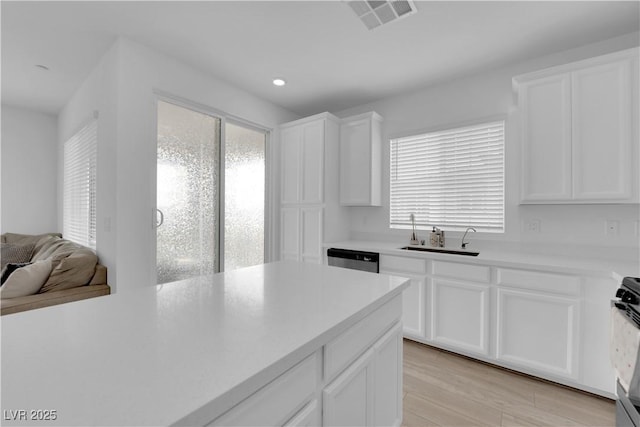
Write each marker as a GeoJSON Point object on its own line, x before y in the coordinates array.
{"type": "Point", "coordinates": [79, 186]}
{"type": "Point", "coordinates": [452, 179]}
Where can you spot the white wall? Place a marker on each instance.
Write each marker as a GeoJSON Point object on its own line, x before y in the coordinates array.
{"type": "Point", "coordinates": [481, 96]}
{"type": "Point", "coordinates": [122, 90]}
{"type": "Point", "coordinates": [29, 161]}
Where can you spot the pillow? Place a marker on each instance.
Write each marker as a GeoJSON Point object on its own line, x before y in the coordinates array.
{"type": "Point", "coordinates": [26, 280]}
{"type": "Point", "coordinates": [15, 253]}
{"type": "Point", "coordinates": [10, 268]}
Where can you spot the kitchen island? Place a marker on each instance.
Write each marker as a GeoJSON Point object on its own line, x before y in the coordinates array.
{"type": "Point", "coordinates": [281, 343]}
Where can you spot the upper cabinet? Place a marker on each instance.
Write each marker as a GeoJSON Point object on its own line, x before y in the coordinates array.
{"type": "Point", "coordinates": [579, 130]}
{"type": "Point", "coordinates": [360, 160]}
{"type": "Point", "coordinates": [303, 161]}
{"type": "Point", "coordinates": [310, 212]}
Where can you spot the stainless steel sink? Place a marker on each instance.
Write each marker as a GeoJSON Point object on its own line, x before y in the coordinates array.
{"type": "Point", "coordinates": [440, 250]}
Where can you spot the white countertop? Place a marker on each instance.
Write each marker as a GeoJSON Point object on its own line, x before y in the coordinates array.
{"type": "Point", "coordinates": [183, 351]}
{"type": "Point", "coordinates": [511, 257]}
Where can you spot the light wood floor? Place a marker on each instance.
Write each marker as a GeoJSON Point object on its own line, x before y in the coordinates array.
{"type": "Point", "coordinates": [443, 389]}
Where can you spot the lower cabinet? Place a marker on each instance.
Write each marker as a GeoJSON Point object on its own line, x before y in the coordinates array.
{"type": "Point", "coordinates": [545, 323]}
{"type": "Point", "coordinates": [538, 331]}
{"type": "Point", "coordinates": [348, 400]}
{"type": "Point", "coordinates": [413, 308]}
{"type": "Point", "coordinates": [354, 379]}
{"type": "Point", "coordinates": [414, 298]}
{"type": "Point", "coordinates": [460, 315]}
{"type": "Point", "coordinates": [301, 230]}
{"type": "Point", "coordinates": [309, 416]}
{"type": "Point", "coordinates": [369, 391]}
{"type": "Point", "coordinates": [279, 400]}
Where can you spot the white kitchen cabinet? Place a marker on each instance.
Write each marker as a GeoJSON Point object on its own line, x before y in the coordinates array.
{"type": "Point", "coordinates": [309, 416]}
{"type": "Point", "coordinates": [546, 132]}
{"type": "Point", "coordinates": [302, 233]}
{"type": "Point", "coordinates": [291, 148]}
{"type": "Point", "coordinates": [460, 306]}
{"type": "Point", "coordinates": [414, 298]}
{"type": "Point", "coordinates": [303, 162]}
{"type": "Point", "coordinates": [413, 307]}
{"type": "Point", "coordinates": [348, 400]}
{"type": "Point", "coordinates": [360, 160]}
{"type": "Point", "coordinates": [369, 391]}
{"type": "Point", "coordinates": [460, 315]}
{"type": "Point", "coordinates": [602, 131]}
{"type": "Point", "coordinates": [276, 402]}
{"type": "Point", "coordinates": [538, 331]}
{"type": "Point", "coordinates": [546, 323]}
{"type": "Point", "coordinates": [579, 131]}
{"type": "Point", "coordinates": [309, 188]}
{"type": "Point", "coordinates": [538, 321]}
{"type": "Point", "coordinates": [354, 379]}
{"type": "Point", "coordinates": [311, 234]}
{"type": "Point", "coordinates": [290, 233]}
{"type": "Point", "coordinates": [387, 394]}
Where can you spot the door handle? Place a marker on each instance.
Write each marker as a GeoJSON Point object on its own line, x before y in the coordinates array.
{"type": "Point", "coordinates": [159, 223]}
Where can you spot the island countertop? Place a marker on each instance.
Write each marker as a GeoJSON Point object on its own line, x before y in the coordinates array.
{"type": "Point", "coordinates": [180, 352]}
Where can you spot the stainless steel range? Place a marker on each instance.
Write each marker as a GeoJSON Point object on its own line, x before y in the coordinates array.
{"type": "Point", "coordinates": [625, 350]}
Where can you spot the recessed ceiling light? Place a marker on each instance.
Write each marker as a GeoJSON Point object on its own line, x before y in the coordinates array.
{"type": "Point", "coordinates": [42, 67]}
{"type": "Point", "coordinates": [279, 82]}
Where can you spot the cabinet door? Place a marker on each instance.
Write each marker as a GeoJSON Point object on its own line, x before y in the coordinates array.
{"type": "Point", "coordinates": [601, 99]}
{"type": "Point", "coordinates": [291, 142]}
{"type": "Point", "coordinates": [359, 158]}
{"type": "Point", "coordinates": [460, 315]}
{"type": "Point", "coordinates": [545, 106]}
{"type": "Point", "coordinates": [290, 233]}
{"type": "Point", "coordinates": [311, 227]}
{"type": "Point", "coordinates": [348, 400]}
{"type": "Point", "coordinates": [309, 416]}
{"type": "Point", "coordinates": [312, 162]}
{"type": "Point", "coordinates": [388, 379]}
{"type": "Point", "coordinates": [538, 331]}
{"type": "Point", "coordinates": [413, 308]}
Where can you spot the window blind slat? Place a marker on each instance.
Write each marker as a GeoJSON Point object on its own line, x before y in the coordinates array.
{"type": "Point", "coordinates": [79, 186]}
{"type": "Point", "coordinates": [451, 178]}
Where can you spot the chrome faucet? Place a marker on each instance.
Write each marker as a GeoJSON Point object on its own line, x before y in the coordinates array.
{"type": "Point", "coordinates": [464, 244]}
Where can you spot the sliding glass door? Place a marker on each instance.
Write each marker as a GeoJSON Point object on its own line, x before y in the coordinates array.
{"type": "Point", "coordinates": [244, 201]}
{"type": "Point", "coordinates": [210, 195]}
{"type": "Point", "coordinates": [188, 182]}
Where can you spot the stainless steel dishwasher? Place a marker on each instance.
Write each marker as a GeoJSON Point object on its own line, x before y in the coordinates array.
{"type": "Point", "coordinates": [355, 260]}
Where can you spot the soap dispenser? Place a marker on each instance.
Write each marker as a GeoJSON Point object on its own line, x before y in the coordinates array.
{"type": "Point", "coordinates": [433, 238]}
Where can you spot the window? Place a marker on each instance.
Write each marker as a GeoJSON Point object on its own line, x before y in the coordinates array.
{"type": "Point", "coordinates": [79, 186]}
{"type": "Point", "coordinates": [451, 178]}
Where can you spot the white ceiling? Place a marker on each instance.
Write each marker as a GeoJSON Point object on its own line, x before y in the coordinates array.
{"type": "Point", "coordinates": [328, 57]}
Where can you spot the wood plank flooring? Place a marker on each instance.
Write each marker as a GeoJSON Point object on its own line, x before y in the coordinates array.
{"type": "Point", "coordinates": [444, 389]}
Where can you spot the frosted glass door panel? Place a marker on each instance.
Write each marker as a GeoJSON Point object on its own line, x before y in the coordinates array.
{"type": "Point", "coordinates": [244, 206]}
{"type": "Point", "coordinates": [187, 193]}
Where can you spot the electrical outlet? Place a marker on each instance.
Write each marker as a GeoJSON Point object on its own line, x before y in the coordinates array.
{"type": "Point", "coordinates": [612, 227]}
{"type": "Point", "coordinates": [533, 226]}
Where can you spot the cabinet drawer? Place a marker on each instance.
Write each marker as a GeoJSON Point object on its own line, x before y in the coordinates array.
{"type": "Point", "coordinates": [539, 281]}
{"type": "Point", "coordinates": [403, 264]}
{"type": "Point", "coordinates": [276, 402]}
{"type": "Point", "coordinates": [474, 273]}
{"type": "Point", "coordinates": [345, 348]}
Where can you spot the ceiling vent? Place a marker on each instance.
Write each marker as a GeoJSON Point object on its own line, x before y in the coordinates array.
{"type": "Point", "coordinates": [375, 13]}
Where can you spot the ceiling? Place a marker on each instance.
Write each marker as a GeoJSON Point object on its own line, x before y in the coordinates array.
{"type": "Point", "coordinates": [328, 57]}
